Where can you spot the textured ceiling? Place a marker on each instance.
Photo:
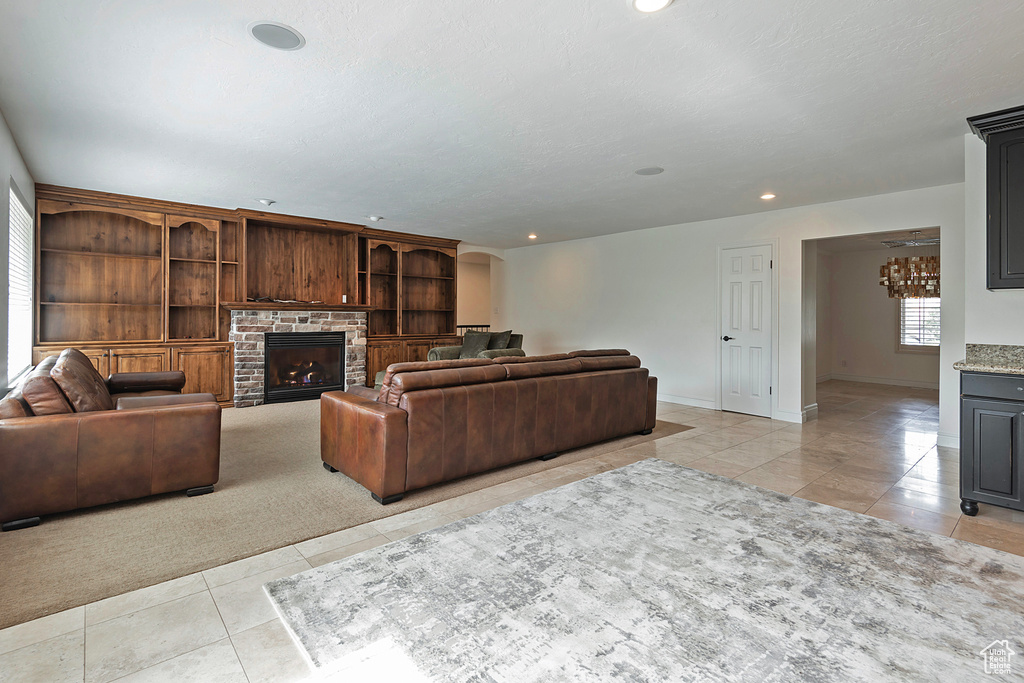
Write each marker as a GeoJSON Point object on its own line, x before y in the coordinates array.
{"type": "Point", "coordinates": [485, 121]}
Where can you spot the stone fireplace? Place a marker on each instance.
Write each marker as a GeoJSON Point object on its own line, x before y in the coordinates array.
{"type": "Point", "coordinates": [248, 332]}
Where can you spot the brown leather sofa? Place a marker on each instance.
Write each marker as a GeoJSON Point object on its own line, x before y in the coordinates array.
{"type": "Point", "coordinates": [70, 439]}
{"type": "Point", "coordinates": [441, 420]}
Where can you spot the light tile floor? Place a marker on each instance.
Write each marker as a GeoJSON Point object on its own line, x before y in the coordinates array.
{"type": "Point", "coordinates": [871, 450]}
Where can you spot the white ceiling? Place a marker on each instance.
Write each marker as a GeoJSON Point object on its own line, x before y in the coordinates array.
{"type": "Point", "coordinates": [486, 120]}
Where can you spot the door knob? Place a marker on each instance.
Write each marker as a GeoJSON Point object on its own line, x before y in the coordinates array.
{"type": "Point", "coordinates": [727, 338]}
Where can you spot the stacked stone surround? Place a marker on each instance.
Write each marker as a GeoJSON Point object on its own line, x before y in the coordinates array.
{"type": "Point", "coordinates": [248, 328]}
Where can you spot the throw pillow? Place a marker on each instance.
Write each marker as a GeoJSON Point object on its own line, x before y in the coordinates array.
{"type": "Point", "coordinates": [499, 340]}
{"type": "Point", "coordinates": [473, 343]}
{"type": "Point", "coordinates": [82, 385]}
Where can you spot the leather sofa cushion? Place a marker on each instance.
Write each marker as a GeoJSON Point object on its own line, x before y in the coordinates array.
{"type": "Point", "coordinates": [138, 394]}
{"type": "Point", "coordinates": [543, 368]}
{"type": "Point", "coordinates": [417, 366]}
{"type": "Point", "coordinates": [41, 392]}
{"type": "Point", "coordinates": [531, 359]}
{"type": "Point", "coordinates": [130, 402]}
{"type": "Point", "coordinates": [81, 383]}
{"type": "Point", "coordinates": [447, 377]}
{"type": "Point", "coordinates": [598, 352]}
{"type": "Point", "coordinates": [14, 405]}
{"type": "Point", "coordinates": [473, 343]}
{"type": "Point", "coordinates": [591, 363]}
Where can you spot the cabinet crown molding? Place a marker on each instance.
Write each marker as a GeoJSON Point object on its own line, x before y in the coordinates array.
{"type": "Point", "coordinates": [1001, 121]}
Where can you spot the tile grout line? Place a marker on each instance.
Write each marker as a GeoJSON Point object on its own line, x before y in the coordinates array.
{"type": "Point", "coordinates": [164, 661]}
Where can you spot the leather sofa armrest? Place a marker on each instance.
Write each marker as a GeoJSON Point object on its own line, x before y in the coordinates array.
{"type": "Point", "coordinates": [500, 353]}
{"type": "Point", "coordinates": [652, 403]}
{"type": "Point", "coordinates": [366, 440]}
{"type": "Point", "coordinates": [136, 402]}
{"type": "Point", "coordinates": [444, 353]}
{"type": "Point", "coordinates": [38, 465]}
{"type": "Point", "coordinates": [129, 382]}
{"type": "Point", "coordinates": [371, 393]}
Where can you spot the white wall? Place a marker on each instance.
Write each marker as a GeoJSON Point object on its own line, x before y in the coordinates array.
{"type": "Point", "coordinates": [474, 301]}
{"type": "Point", "coordinates": [823, 328]}
{"type": "Point", "coordinates": [11, 166]}
{"type": "Point", "coordinates": [655, 291]}
{"type": "Point", "coordinates": [808, 330]}
{"type": "Point", "coordinates": [865, 326]}
{"type": "Point", "coordinates": [992, 317]}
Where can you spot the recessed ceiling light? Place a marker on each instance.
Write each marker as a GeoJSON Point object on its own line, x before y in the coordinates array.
{"type": "Point", "coordinates": [376, 218]}
{"type": "Point", "coordinates": [648, 6]}
{"type": "Point", "coordinates": [267, 202]}
{"type": "Point", "coordinates": [767, 195]}
{"type": "Point", "coordinates": [275, 35]}
{"type": "Point", "coordinates": [650, 170]}
{"type": "Point", "coordinates": [532, 236]}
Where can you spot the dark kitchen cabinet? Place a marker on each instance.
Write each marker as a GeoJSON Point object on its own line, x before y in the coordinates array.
{"type": "Point", "coordinates": [991, 438]}
{"type": "Point", "coordinates": [1003, 133]}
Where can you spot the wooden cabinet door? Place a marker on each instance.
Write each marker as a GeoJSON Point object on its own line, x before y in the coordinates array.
{"type": "Point", "coordinates": [140, 359]}
{"type": "Point", "coordinates": [208, 370]}
{"type": "Point", "coordinates": [990, 456]}
{"type": "Point", "coordinates": [100, 357]}
{"type": "Point", "coordinates": [379, 355]}
{"type": "Point", "coordinates": [417, 350]}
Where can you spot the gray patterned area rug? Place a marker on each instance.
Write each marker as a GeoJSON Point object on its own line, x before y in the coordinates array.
{"type": "Point", "coordinates": [657, 572]}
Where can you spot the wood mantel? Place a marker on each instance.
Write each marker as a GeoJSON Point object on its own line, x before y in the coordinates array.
{"type": "Point", "coordinates": [280, 306]}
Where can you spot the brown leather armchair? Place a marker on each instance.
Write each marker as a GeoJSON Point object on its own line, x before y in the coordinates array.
{"type": "Point", "coordinates": [70, 439]}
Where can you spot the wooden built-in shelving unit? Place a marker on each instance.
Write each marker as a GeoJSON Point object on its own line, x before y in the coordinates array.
{"type": "Point", "coordinates": [142, 285]}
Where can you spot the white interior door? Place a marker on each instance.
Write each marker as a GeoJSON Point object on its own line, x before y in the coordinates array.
{"type": "Point", "coordinates": [747, 330]}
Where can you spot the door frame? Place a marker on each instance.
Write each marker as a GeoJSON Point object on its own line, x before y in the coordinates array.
{"type": "Point", "coordinates": [773, 244]}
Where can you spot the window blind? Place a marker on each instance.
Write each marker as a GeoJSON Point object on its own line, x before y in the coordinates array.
{"type": "Point", "coordinates": [19, 282]}
{"type": "Point", "coordinates": [919, 322]}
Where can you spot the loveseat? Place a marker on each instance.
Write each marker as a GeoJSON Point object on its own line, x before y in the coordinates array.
{"type": "Point", "coordinates": [70, 439]}
{"type": "Point", "coordinates": [441, 420]}
{"type": "Point", "coordinates": [476, 344]}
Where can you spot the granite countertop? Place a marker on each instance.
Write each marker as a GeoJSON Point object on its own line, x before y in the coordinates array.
{"type": "Point", "coordinates": [995, 358]}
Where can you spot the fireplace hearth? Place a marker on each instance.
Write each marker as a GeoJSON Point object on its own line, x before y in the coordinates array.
{"type": "Point", "coordinates": [302, 365]}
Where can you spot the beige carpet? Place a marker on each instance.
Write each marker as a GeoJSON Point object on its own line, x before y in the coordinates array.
{"type": "Point", "coordinates": [273, 492]}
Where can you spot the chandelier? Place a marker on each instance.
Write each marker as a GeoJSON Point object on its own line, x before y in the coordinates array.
{"type": "Point", "coordinates": [911, 277]}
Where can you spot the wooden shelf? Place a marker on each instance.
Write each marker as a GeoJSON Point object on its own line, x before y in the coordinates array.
{"type": "Point", "coordinates": [428, 277]}
{"type": "Point", "coordinates": [192, 305]}
{"type": "Point", "coordinates": [381, 273]}
{"type": "Point", "coordinates": [191, 260]}
{"type": "Point", "coordinates": [271, 306]}
{"type": "Point", "coordinates": [89, 303]}
{"type": "Point", "coordinates": [105, 254]}
{"type": "Point", "coordinates": [229, 263]}
{"type": "Point", "coordinates": [428, 310]}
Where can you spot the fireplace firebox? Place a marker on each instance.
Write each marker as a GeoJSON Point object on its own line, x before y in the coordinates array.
{"type": "Point", "coordinates": [302, 365]}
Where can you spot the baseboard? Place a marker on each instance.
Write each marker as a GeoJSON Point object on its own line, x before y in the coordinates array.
{"type": "Point", "coordinates": [949, 440]}
{"type": "Point", "coordinates": [824, 378]}
{"type": "Point", "coordinates": [886, 380]}
{"type": "Point", "coordinates": [810, 412]}
{"type": "Point", "coordinates": [788, 416]}
{"type": "Point", "coordinates": [687, 401]}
